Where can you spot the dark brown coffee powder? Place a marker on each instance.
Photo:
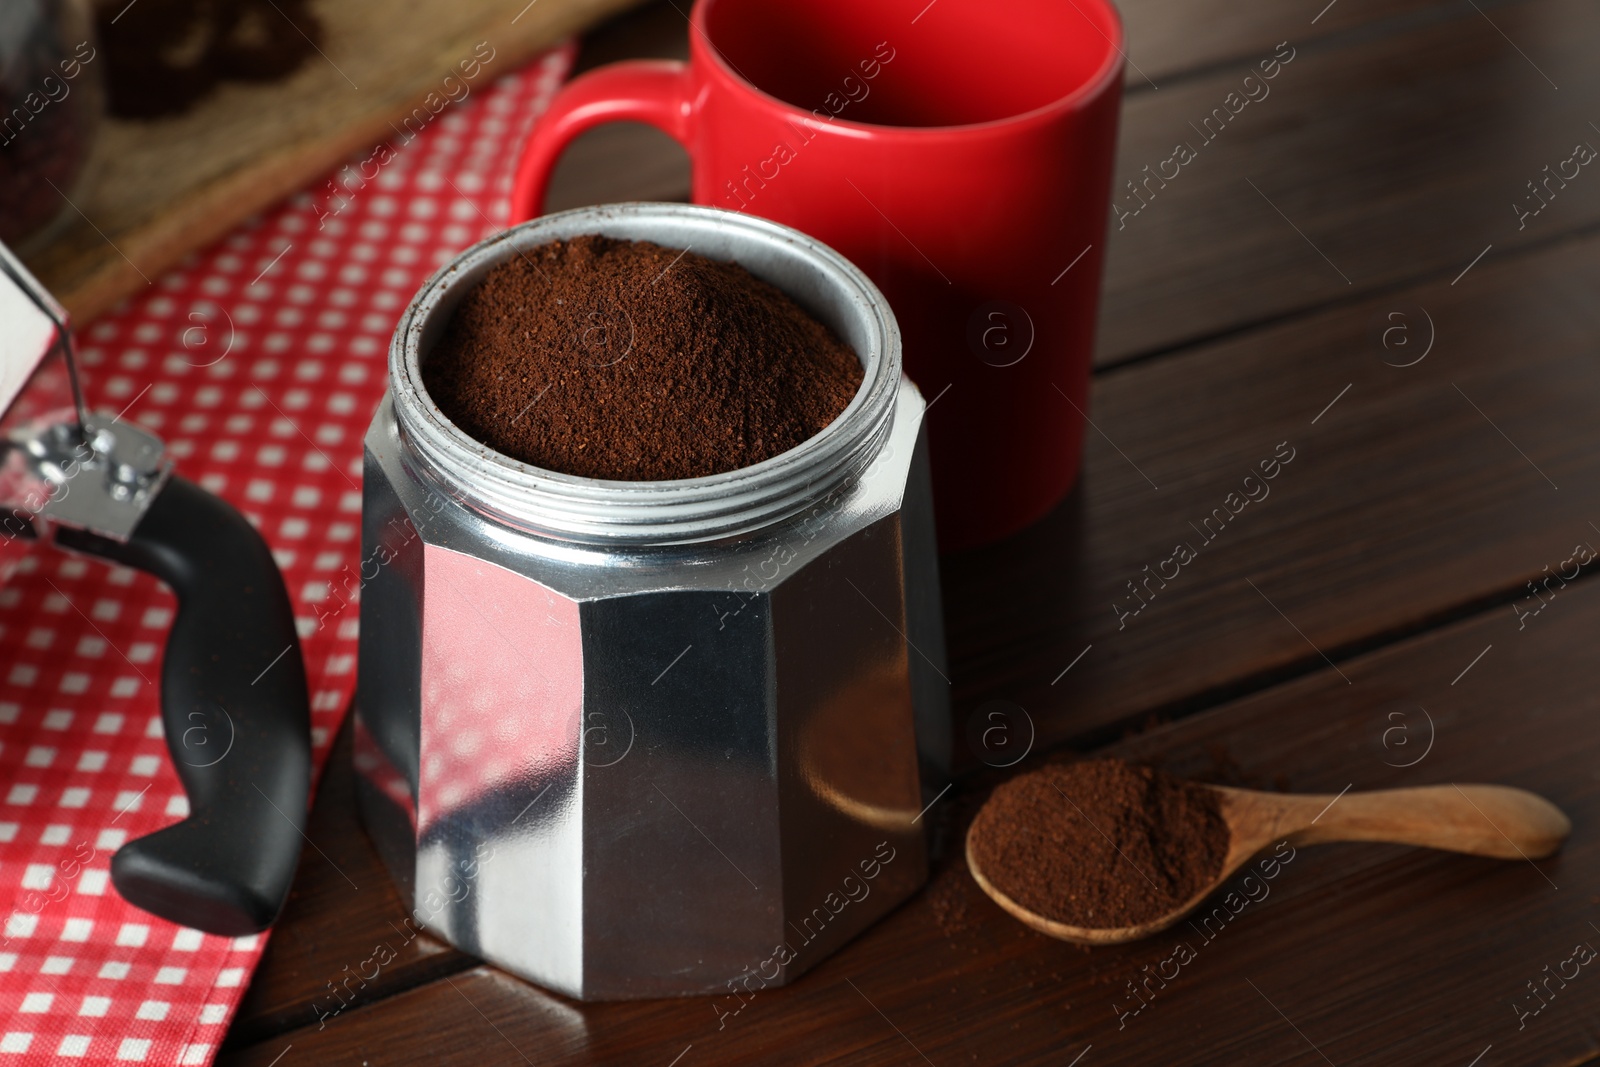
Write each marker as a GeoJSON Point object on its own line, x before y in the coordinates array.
{"type": "Point", "coordinates": [1101, 843]}
{"type": "Point", "coordinates": [628, 361]}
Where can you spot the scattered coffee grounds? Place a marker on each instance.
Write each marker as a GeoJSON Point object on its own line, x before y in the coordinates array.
{"type": "Point", "coordinates": [628, 361]}
{"type": "Point", "coordinates": [1101, 843]}
{"type": "Point", "coordinates": [948, 899]}
{"type": "Point", "coordinates": [162, 56]}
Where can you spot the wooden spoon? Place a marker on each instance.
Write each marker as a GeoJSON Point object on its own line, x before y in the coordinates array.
{"type": "Point", "coordinates": [1480, 820]}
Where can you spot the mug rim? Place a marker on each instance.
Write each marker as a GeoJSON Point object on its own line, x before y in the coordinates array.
{"type": "Point", "coordinates": [702, 48]}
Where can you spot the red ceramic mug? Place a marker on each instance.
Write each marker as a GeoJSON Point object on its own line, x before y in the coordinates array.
{"type": "Point", "coordinates": [959, 152]}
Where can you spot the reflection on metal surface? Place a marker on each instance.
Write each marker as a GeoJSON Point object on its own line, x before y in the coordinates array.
{"type": "Point", "coordinates": [857, 749]}
{"type": "Point", "coordinates": [502, 683]}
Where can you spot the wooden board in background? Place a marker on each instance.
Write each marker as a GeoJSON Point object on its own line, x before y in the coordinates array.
{"type": "Point", "coordinates": [162, 189]}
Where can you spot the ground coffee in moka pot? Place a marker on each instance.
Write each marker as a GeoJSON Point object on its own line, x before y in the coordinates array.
{"type": "Point", "coordinates": [624, 360]}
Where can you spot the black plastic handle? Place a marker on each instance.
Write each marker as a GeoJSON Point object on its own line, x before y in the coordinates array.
{"type": "Point", "coordinates": [237, 718]}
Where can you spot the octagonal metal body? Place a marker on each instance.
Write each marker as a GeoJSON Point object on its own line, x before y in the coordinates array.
{"type": "Point", "coordinates": [641, 770]}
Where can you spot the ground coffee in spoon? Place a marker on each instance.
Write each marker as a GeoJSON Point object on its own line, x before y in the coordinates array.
{"type": "Point", "coordinates": [625, 360]}
{"type": "Point", "coordinates": [1101, 843]}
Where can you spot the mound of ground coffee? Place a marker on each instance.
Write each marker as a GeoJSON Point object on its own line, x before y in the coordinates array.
{"type": "Point", "coordinates": [1101, 843]}
{"type": "Point", "coordinates": [628, 361]}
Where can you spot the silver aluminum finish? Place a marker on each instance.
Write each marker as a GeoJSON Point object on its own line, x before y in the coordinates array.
{"type": "Point", "coordinates": [650, 739]}
{"type": "Point", "coordinates": [103, 483]}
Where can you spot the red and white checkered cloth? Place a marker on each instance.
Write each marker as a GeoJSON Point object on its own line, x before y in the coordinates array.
{"type": "Point", "coordinates": [260, 361]}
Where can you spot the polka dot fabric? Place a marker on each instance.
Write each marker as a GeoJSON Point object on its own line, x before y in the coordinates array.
{"type": "Point", "coordinates": [260, 362]}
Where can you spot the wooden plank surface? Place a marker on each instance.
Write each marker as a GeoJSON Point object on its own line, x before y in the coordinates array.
{"type": "Point", "coordinates": [1374, 954]}
{"type": "Point", "coordinates": [1425, 492]}
{"type": "Point", "coordinates": [1168, 40]}
{"type": "Point", "coordinates": [1395, 158]}
{"type": "Point", "coordinates": [161, 189]}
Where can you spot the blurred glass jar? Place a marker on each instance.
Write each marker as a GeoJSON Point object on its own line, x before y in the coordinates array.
{"type": "Point", "coordinates": [51, 100]}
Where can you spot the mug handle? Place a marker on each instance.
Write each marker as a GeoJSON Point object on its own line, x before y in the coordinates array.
{"type": "Point", "coordinates": [651, 91]}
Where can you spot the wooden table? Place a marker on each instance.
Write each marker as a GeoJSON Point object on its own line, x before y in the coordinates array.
{"type": "Point", "coordinates": [1393, 614]}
